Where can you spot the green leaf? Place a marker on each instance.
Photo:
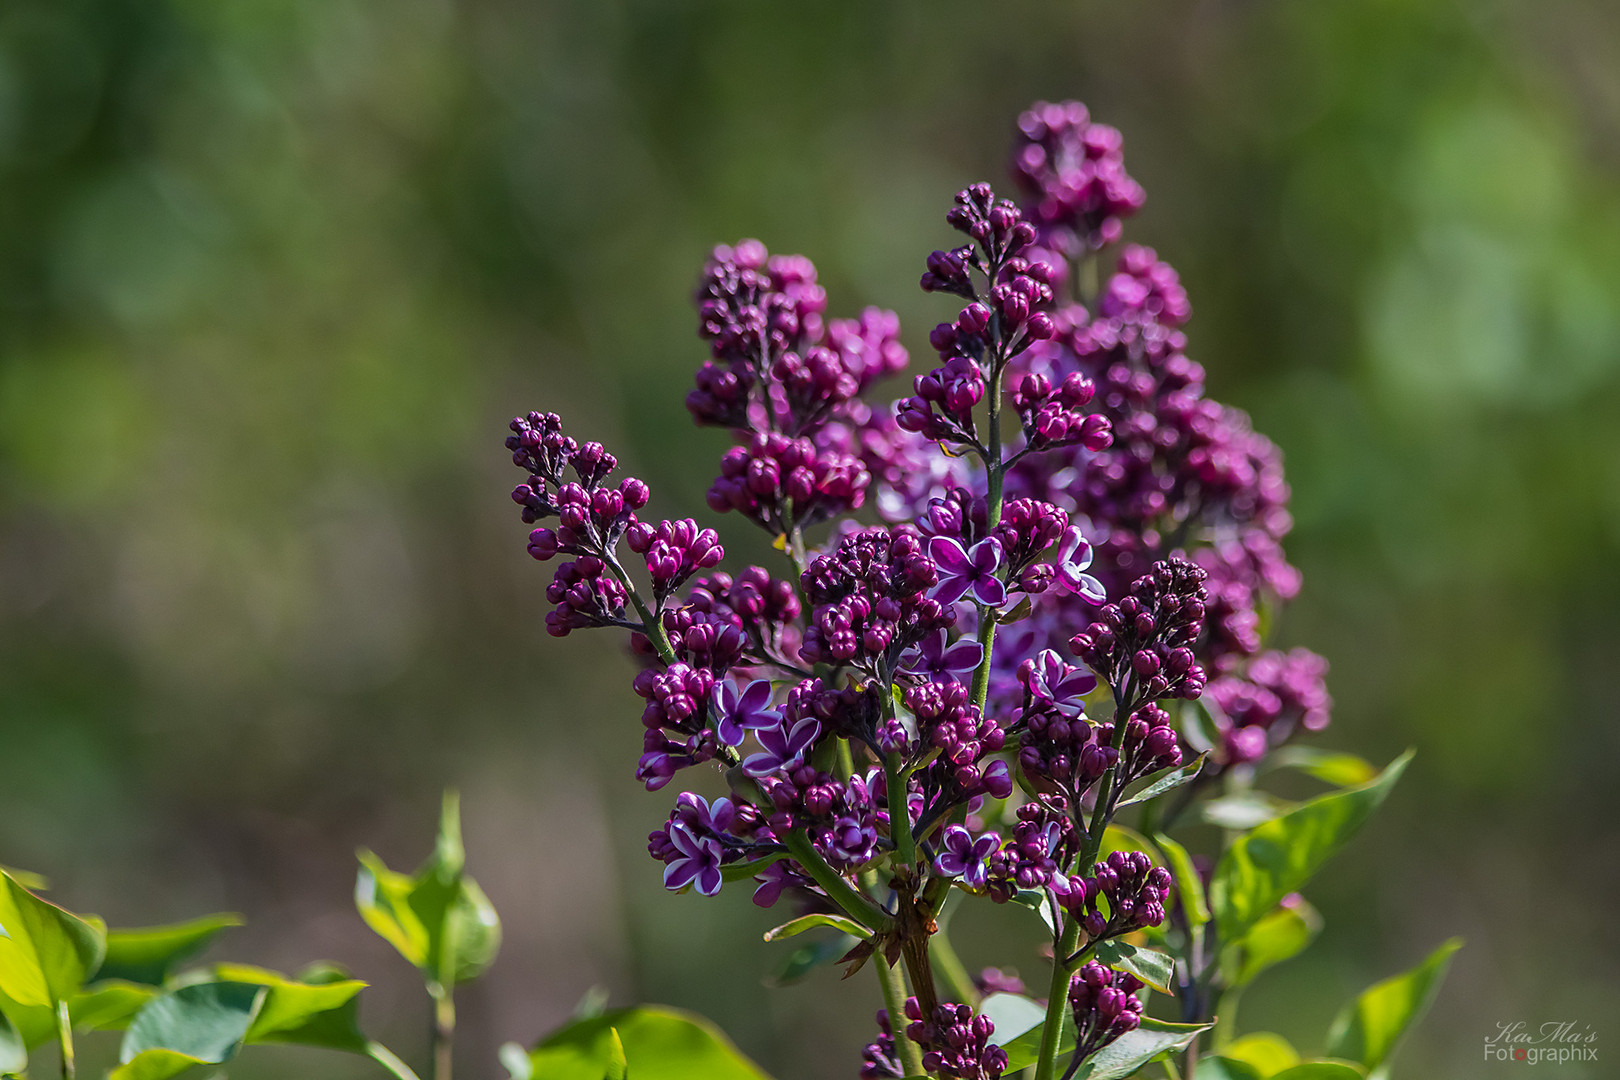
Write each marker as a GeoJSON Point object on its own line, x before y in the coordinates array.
{"type": "Point", "coordinates": [1189, 886]}
{"type": "Point", "coordinates": [1168, 782]}
{"type": "Point", "coordinates": [516, 1061]}
{"type": "Point", "coordinates": [1321, 1070]}
{"type": "Point", "coordinates": [13, 1052]}
{"type": "Point", "coordinates": [1224, 1068]}
{"type": "Point", "coordinates": [1134, 1049]}
{"type": "Point", "coordinates": [1026, 1048]}
{"type": "Point", "coordinates": [618, 1066]}
{"type": "Point", "coordinates": [108, 1005]}
{"type": "Point", "coordinates": [1154, 968]}
{"type": "Point", "coordinates": [26, 878]}
{"type": "Point", "coordinates": [439, 920]}
{"type": "Point", "coordinates": [1264, 1052]}
{"type": "Point", "coordinates": [200, 1024]}
{"type": "Point", "coordinates": [148, 955]}
{"type": "Point", "coordinates": [810, 922]}
{"type": "Point", "coordinates": [1120, 838]}
{"type": "Point", "coordinates": [47, 951]}
{"type": "Point", "coordinates": [1036, 901]}
{"type": "Point", "coordinates": [809, 956]}
{"type": "Point", "coordinates": [316, 1013]}
{"type": "Point", "coordinates": [1275, 859]}
{"type": "Point", "coordinates": [1013, 1014]}
{"type": "Point", "coordinates": [1280, 935]}
{"type": "Point", "coordinates": [1244, 809]}
{"type": "Point", "coordinates": [659, 1044]}
{"type": "Point", "coordinates": [1332, 767]}
{"type": "Point", "coordinates": [742, 871]}
{"type": "Point", "coordinates": [1369, 1029]}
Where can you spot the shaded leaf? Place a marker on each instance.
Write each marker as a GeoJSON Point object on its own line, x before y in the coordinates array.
{"type": "Point", "coordinates": [1370, 1028]}
{"type": "Point", "coordinates": [320, 1013]}
{"type": "Point", "coordinates": [203, 1023]}
{"type": "Point", "coordinates": [1224, 1068]}
{"type": "Point", "coordinates": [1243, 809]}
{"type": "Point", "coordinates": [149, 954]}
{"type": "Point", "coordinates": [1264, 1052]}
{"type": "Point", "coordinates": [1275, 859]}
{"type": "Point", "coordinates": [1134, 1049]}
{"type": "Point", "coordinates": [1026, 1048]}
{"type": "Point", "coordinates": [659, 1044]}
{"type": "Point", "coordinates": [1036, 900]}
{"type": "Point", "coordinates": [46, 952]}
{"type": "Point", "coordinates": [1152, 967]}
{"type": "Point", "coordinates": [1189, 886]}
{"type": "Point", "coordinates": [810, 922]}
{"type": "Point", "coordinates": [1278, 936]}
{"type": "Point", "coordinates": [13, 1052]}
{"type": "Point", "coordinates": [1167, 782]}
{"type": "Point", "coordinates": [809, 956]}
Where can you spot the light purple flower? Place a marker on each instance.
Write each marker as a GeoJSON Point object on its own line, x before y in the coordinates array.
{"type": "Point", "coordinates": [1073, 560]}
{"type": "Point", "coordinates": [934, 657]}
{"type": "Point", "coordinates": [695, 811]}
{"type": "Point", "coordinates": [1053, 682]}
{"type": "Point", "coordinates": [974, 569]}
{"type": "Point", "coordinates": [784, 746]}
{"type": "Point", "coordinates": [698, 862]}
{"type": "Point", "coordinates": [736, 710]}
{"type": "Point", "coordinates": [772, 880]}
{"type": "Point", "coordinates": [966, 856]}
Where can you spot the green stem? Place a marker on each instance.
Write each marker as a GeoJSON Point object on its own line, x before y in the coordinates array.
{"type": "Point", "coordinates": [854, 905]}
{"type": "Point", "coordinates": [64, 1031]}
{"type": "Point", "coordinates": [895, 779]}
{"type": "Point", "coordinates": [893, 982]}
{"type": "Point", "coordinates": [385, 1057]}
{"type": "Point", "coordinates": [444, 1031]}
{"type": "Point", "coordinates": [996, 472]}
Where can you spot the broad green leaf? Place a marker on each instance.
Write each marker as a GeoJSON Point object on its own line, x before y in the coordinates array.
{"type": "Point", "coordinates": [659, 1044]}
{"type": "Point", "coordinates": [203, 1023]}
{"type": "Point", "coordinates": [47, 951]}
{"type": "Point", "coordinates": [1332, 767]}
{"type": "Point", "coordinates": [475, 931]}
{"type": "Point", "coordinates": [108, 1005]}
{"type": "Point", "coordinates": [1244, 809]}
{"type": "Point", "coordinates": [1013, 1014]}
{"type": "Point", "coordinates": [1022, 1051]}
{"type": "Point", "coordinates": [13, 1052]}
{"type": "Point", "coordinates": [1275, 859]}
{"type": "Point", "coordinates": [1280, 935]}
{"type": "Point", "coordinates": [1168, 782]}
{"type": "Point", "coordinates": [1369, 1029]}
{"type": "Point", "coordinates": [26, 878]}
{"type": "Point", "coordinates": [383, 899]}
{"type": "Point", "coordinates": [1157, 969]}
{"type": "Point", "coordinates": [809, 956]}
{"type": "Point", "coordinates": [1322, 1070]}
{"type": "Point", "coordinates": [1266, 1053]}
{"type": "Point", "coordinates": [1224, 1068]}
{"type": "Point", "coordinates": [810, 922]}
{"type": "Point", "coordinates": [1189, 886]}
{"type": "Point", "coordinates": [1134, 1049]}
{"type": "Point", "coordinates": [148, 955]}
{"type": "Point", "coordinates": [618, 1065]}
{"type": "Point", "coordinates": [318, 1013]}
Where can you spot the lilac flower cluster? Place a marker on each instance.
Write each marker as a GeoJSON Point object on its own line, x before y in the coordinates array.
{"type": "Point", "coordinates": [1281, 693]}
{"type": "Point", "coordinates": [1074, 173]}
{"type": "Point", "coordinates": [1105, 1007]}
{"type": "Point", "coordinates": [1133, 888]}
{"type": "Point", "coordinates": [954, 1040]}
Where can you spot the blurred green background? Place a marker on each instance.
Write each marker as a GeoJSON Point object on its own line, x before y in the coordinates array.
{"type": "Point", "coordinates": [274, 274]}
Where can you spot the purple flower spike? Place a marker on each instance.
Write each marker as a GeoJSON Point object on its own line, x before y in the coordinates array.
{"type": "Point", "coordinates": [738, 710]}
{"type": "Point", "coordinates": [1059, 685]}
{"type": "Point", "coordinates": [961, 570]}
{"type": "Point", "coordinates": [783, 745]}
{"type": "Point", "coordinates": [698, 862]}
{"type": "Point", "coordinates": [1074, 559]}
{"type": "Point", "coordinates": [966, 856]}
{"type": "Point", "coordinates": [936, 658]}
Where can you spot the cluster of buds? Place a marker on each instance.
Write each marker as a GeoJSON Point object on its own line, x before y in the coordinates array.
{"type": "Point", "coordinates": [1142, 645]}
{"type": "Point", "coordinates": [871, 600]}
{"type": "Point", "coordinates": [1054, 415]}
{"type": "Point", "coordinates": [1149, 744]}
{"type": "Point", "coordinates": [780, 482]}
{"type": "Point", "coordinates": [1074, 173]}
{"type": "Point", "coordinates": [674, 550]}
{"type": "Point", "coordinates": [1105, 1007]}
{"type": "Point", "coordinates": [955, 1042]}
{"type": "Point", "coordinates": [1132, 887]}
{"type": "Point", "coordinates": [1280, 694]}
{"type": "Point", "coordinates": [1043, 842]}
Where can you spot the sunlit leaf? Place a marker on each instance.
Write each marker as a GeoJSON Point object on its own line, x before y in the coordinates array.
{"type": "Point", "coordinates": [1329, 766]}
{"type": "Point", "coordinates": [203, 1023]}
{"type": "Point", "coordinates": [148, 955]}
{"type": "Point", "coordinates": [1134, 1049]}
{"type": "Point", "coordinates": [47, 951]}
{"type": "Point", "coordinates": [1189, 886]}
{"type": "Point", "coordinates": [618, 1065]}
{"type": "Point", "coordinates": [1275, 859]}
{"type": "Point", "coordinates": [108, 1005]}
{"type": "Point", "coordinates": [1264, 1052]}
{"type": "Point", "coordinates": [1278, 936]}
{"type": "Point", "coordinates": [1371, 1027]}
{"type": "Point", "coordinates": [317, 1013]}
{"type": "Point", "coordinates": [1155, 968]}
{"type": "Point", "coordinates": [659, 1044]}
{"type": "Point", "coordinates": [1224, 1068]}
{"type": "Point", "coordinates": [1322, 1070]}
{"type": "Point", "coordinates": [810, 922]}
{"type": "Point", "coordinates": [1167, 782]}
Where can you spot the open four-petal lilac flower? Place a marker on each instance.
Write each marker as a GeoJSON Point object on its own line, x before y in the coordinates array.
{"type": "Point", "coordinates": [697, 864]}
{"type": "Point", "coordinates": [961, 570]}
{"type": "Point", "coordinates": [936, 658]}
{"type": "Point", "coordinates": [784, 746]}
{"type": "Point", "coordinates": [1073, 560]}
{"type": "Point", "coordinates": [966, 856]}
{"type": "Point", "coordinates": [738, 710]}
{"type": "Point", "coordinates": [716, 818]}
{"type": "Point", "coordinates": [1052, 681]}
